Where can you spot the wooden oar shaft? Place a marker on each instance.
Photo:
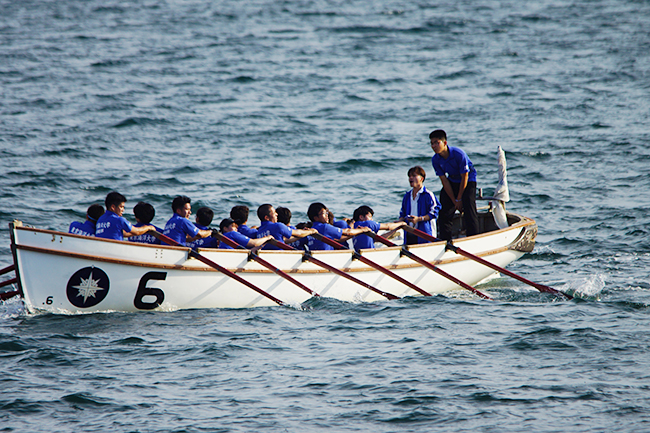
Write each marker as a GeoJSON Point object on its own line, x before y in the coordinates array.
{"type": "Point", "coordinates": [9, 282]}
{"type": "Point", "coordinates": [430, 266]}
{"type": "Point", "coordinates": [6, 295]}
{"type": "Point", "coordinates": [266, 264]}
{"type": "Point", "coordinates": [309, 257]}
{"type": "Point", "coordinates": [450, 246]}
{"type": "Point", "coordinates": [218, 267]}
{"type": "Point", "coordinates": [7, 269]}
{"type": "Point", "coordinates": [372, 264]}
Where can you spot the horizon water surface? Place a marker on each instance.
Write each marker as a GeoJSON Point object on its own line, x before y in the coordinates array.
{"type": "Point", "coordinates": [292, 102]}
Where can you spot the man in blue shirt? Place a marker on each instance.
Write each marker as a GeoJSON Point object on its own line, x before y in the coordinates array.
{"type": "Point", "coordinates": [179, 227]}
{"type": "Point", "coordinates": [87, 228]}
{"type": "Point", "coordinates": [239, 214]}
{"type": "Point", "coordinates": [112, 225]}
{"type": "Point", "coordinates": [144, 213]}
{"type": "Point", "coordinates": [270, 226]}
{"type": "Point", "coordinates": [228, 228]}
{"type": "Point", "coordinates": [203, 219]}
{"type": "Point", "coordinates": [458, 177]}
{"type": "Point", "coordinates": [319, 215]}
{"type": "Point", "coordinates": [363, 218]}
{"type": "Point", "coordinates": [419, 207]}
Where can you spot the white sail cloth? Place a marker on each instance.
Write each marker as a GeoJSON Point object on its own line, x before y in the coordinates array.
{"type": "Point", "coordinates": [501, 194]}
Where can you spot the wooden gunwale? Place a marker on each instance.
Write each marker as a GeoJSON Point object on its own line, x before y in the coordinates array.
{"type": "Point", "coordinates": [241, 270]}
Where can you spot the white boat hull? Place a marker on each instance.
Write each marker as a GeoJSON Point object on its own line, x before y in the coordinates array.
{"type": "Point", "coordinates": [64, 273]}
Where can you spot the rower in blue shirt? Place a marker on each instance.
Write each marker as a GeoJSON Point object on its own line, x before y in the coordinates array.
{"type": "Point", "coordinates": [319, 215]}
{"type": "Point", "coordinates": [112, 225]}
{"type": "Point", "coordinates": [144, 213]}
{"type": "Point", "coordinates": [228, 228]}
{"type": "Point", "coordinates": [87, 228]}
{"type": "Point", "coordinates": [179, 227]}
{"type": "Point", "coordinates": [363, 218]}
{"type": "Point", "coordinates": [458, 177]}
{"type": "Point", "coordinates": [203, 219]}
{"type": "Point", "coordinates": [270, 226]}
{"type": "Point", "coordinates": [239, 214]}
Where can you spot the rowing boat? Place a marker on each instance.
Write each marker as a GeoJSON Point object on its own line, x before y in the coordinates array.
{"type": "Point", "coordinates": [64, 273]}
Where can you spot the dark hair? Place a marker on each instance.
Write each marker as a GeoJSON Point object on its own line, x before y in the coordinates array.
{"type": "Point", "coordinates": [114, 198]}
{"type": "Point", "coordinates": [94, 212]}
{"type": "Point", "coordinates": [179, 202]}
{"type": "Point", "coordinates": [204, 216]}
{"type": "Point", "coordinates": [302, 226]}
{"type": "Point", "coordinates": [144, 212]}
{"type": "Point", "coordinates": [225, 223]}
{"type": "Point", "coordinates": [417, 170]}
{"type": "Point", "coordinates": [239, 214]}
{"type": "Point", "coordinates": [314, 210]}
{"type": "Point", "coordinates": [438, 134]}
{"type": "Point", "coordinates": [264, 211]}
{"type": "Point", "coordinates": [362, 210]}
{"type": "Point", "coordinates": [284, 215]}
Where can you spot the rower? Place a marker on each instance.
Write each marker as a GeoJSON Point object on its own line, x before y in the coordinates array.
{"type": "Point", "coordinates": [363, 218]}
{"type": "Point", "coordinates": [87, 228]}
{"type": "Point", "coordinates": [228, 228]}
{"type": "Point", "coordinates": [144, 213]}
{"type": "Point", "coordinates": [179, 227]}
{"type": "Point", "coordinates": [279, 231]}
{"type": "Point", "coordinates": [419, 206]}
{"type": "Point", "coordinates": [112, 225]}
{"type": "Point", "coordinates": [319, 215]}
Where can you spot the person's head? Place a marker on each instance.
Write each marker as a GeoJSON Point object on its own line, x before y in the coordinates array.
{"type": "Point", "coordinates": [267, 213]}
{"type": "Point", "coordinates": [204, 216]}
{"type": "Point", "coordinates": [438, 140]}
{"type": "Point", "coordinates": [239, 214]}
{"type": "Point", "coordinates": [115, 202]}
{"type": "Point", "coordinates": [416, 175]}
{"type": "Point", "coordinates": [227, 225]}
{"type": "Point", "coordinates": [94, 212]}
{"type": "Point", "coordinates": [144, 212]}
{"type": "Point", "coordinates": [284, 215]}
{"type": "Point", "coordinates": [363, 213]}
{"type": "Point", "coordinates": [181, 205]}
{"type": "Point", "coordinates": [318, 212]}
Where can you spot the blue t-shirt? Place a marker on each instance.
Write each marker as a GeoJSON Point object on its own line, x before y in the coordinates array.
{"type": "Point", "coordinates": [237, 237]}
{"type": "Point", "coordinates": [85, 229]}
{"type": "Point", "coordinates": [145, 238]}
{"type": "Point", "coordinates": [279, 231]}
{"type": "Point", "coordinates": [247, 231]}
{"type": "Point", "coordinates": [456, 164]}
{"type": "Point", "coordinates": [178, 228]}
{"type": "Point", "coordinates": [362, 242]}
{"type": "Point", "coordinates": [110, 226]}
{"type": "Point", "coordinates": [326, 230]}
{"type": "Point", "coordinates": [208, 242]}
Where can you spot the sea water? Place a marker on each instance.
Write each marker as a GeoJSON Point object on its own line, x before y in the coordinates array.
{"type": "Point", "coordinates": [292, 102]}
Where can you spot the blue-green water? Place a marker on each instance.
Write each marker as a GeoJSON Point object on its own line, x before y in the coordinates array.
{"type": "Point", "coordinates": [295, 102]}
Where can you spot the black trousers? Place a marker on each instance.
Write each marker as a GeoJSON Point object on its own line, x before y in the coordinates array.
{"type": "Point", "coordinates": [446, 214]}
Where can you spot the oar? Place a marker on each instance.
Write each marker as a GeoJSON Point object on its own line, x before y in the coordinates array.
{"type": "Point", "coordinates": [8, 282]}
{"type": "Point", "coordinates": [308, 257]}
{"type": "Point", "coordinates": [428, 265]}
{"type": "Point", "coordinates": [356, 255]}
{"type": "Point", "coordinates": [253, 256]}
{"type": "Point", "coordinates": [10, 294]}
{"type": "Point", "coordinates": [452, 247]}
{"type": "Point", "coordinates": [7, 269]}
{"type": "Point", "coordinates": [216, 266]}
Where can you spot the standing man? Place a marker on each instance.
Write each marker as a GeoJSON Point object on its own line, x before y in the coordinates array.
{"type": "Point", "coordinates": [458, 177]}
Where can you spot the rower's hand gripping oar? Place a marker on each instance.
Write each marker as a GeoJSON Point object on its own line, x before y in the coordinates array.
{"type": "Point", "coordinates": [450, 246]}
{"type": "Point", "coordinates": [357, 256]}
{"type": "Point", "coordinates": [216, 266]}
{"type": "Point", "coordinates": [307, 256]}
{"type": "Point", "coordinates": [252, 255]}
{"type": "Point", "coordinates": [428, 265]}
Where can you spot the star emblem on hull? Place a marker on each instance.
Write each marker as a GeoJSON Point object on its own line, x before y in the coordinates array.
{"type": "Point", "coordinates": [87, 287]}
